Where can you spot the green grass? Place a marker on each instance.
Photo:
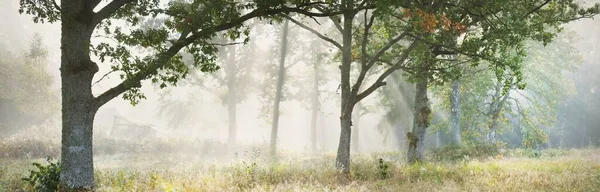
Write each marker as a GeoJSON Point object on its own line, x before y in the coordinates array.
{"type": "Point", "coordinates": [556, 170]}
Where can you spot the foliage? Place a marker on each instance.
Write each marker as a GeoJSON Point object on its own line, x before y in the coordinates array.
{"type": "Point", "coordinates": [383, 169]}
{"type": "Point", "coordinates": [526, 112]}
{"type": "Point", "coordinates": [46, 178]}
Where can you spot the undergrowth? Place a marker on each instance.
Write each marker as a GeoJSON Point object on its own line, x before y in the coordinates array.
{"type": "Point", "coordinates": [554, 170]}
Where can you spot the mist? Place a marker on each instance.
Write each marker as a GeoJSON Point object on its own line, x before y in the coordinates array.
{"type": "Point", "coordinates": [225, 117]}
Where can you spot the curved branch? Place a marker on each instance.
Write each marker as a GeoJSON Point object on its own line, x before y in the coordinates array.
{"type": "Point", "coordinates": [335, 43]}
{"type": "Point", "coordinates": [109, 9]}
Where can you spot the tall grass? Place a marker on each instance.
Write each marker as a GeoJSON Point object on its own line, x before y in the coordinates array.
{"type": "Point", "coordinates": [557, 170]}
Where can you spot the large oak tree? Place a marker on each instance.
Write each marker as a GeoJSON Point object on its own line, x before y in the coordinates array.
{"type": "Point", "coordinates": [138, 54]}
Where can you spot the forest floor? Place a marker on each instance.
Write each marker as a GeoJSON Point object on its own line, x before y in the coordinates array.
{"type": "Point", "coordinates": [551, 170]}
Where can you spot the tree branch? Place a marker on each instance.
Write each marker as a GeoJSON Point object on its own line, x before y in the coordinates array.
{"type": "Point", "coordinates": [536, 8]}
{"type": "Point", "coordinates": [314, 32]}
{"type": "Point", "coordinates": [334, 19]}
{"type": "Point", "coordinates": [183, 41]}
{"type": "Point", "coordinates": [387, 46]}
{"type": "Point", "coordinates": [56, 6]}
{"type": "Point", "coordinates": [109, 9]}
{"type": "Point", "coordinates": [102, 78]}
{"type": "Point", "coordinates": [163, 58]}
{"type": "Point", "coordinates": [379, 82]}
{"type": "Point", "coordinates": [363, 47]}
{"type": "Point", "coordinates": [135, 79]}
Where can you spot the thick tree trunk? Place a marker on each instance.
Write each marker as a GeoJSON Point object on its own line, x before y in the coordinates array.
{"type": "Point", "coordinates": [422, 115]}
{"type": "Point", "coordinates": [455, 113]}
{"type": "Point", "coordinates": [232, 96]}
{"type": "Point", "coordinates": [78, 103]}
{"type": "Point", "coordinates": [280, 80]}
{"type": "Point", "coordinates": [356, 125]}
{"type": "Point", "coordinates": [315, 108]}
{"type": "Point", "coordinates": [343, 153]}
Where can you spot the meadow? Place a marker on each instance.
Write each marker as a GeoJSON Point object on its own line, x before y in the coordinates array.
{"type": "Point", "coordinates": [252, 170]}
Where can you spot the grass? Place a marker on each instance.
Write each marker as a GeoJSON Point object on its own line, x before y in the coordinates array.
{"type": "Point", "coordinates": [555, 170]}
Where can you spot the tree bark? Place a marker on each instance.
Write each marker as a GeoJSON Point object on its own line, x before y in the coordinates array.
{"type": "Point", "coordinates": [343, 153]}
{"type": "Point", "coordinates": [278, 91]}
{"type": "Point", "coordinates": [422, 115]}
{"type": "Point", "coordinates": [315, 108]}
{"type": "Point", "coordinates": [78, 103]}
{"type": "Point", "coordinates": [455, 113]}
{"type": "Point", "coordinates": [356, 125]}
{"type": "Point", "coordinates": [232, 96]}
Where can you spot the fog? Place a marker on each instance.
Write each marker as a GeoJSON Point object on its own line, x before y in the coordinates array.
{"type": "Point", "coordinates": [201, 114]}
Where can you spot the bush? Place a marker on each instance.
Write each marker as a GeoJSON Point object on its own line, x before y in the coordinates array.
{"type": "Point", "coordinates": [468, 151]}
{"type": "Point", "coordinates": [46, 178]}
{"type": "Point", "coordinates": [28, 148]}
{"type": "Point", "coordinates": [382, 169]}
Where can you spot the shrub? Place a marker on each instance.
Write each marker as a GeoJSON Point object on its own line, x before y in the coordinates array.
{"type": "Point", "coordinates": [383, 169]}
{"type": "Point", "coordinates": [46, 178]}
{"type": "Point", "coordinates": [28, 148]}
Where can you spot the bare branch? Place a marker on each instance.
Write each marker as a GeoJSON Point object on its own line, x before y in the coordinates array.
{"type": "Point", "coordinates": [379, 82]}
{"type": "Point", "coordinates": [334, 19]}
{"type": "Point", "coordinates": [387, 46]}
{"type": "Point", "coordinates": [103, 76]}
{"type": "Point", "coordinates": [314, 32]}
{"type": "Point", "coordinates": [226, 44]}
{"type": "Point", "coordinates": [365, 39]}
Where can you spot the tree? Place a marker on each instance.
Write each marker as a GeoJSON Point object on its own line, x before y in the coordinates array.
{"type": "Point", "coordinates": [489, 36]}
{"type": "Point", "coordinates": [489, 110]}
{"type": "Point", "coordinates": [27, 95]}
{"type": "Point", "coordinates": [189, 25]}
{"type": "Point", "coordinates": [278, 90]}
{"type": "Point", "coordinates": [351, 93]}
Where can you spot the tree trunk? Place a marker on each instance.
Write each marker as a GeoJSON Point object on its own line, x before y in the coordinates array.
{"type": "Point", "coordinates": [343, 153]}
{"type": "Point", "coordinates": [422, 115]}
{"type": "Point", "coordinates": [315, 108]}
{"type": "Point", "coordinates": [78, 104]}
{"type": "Point", "coordinates": [356, 124]}
{"type": "Point", "coordinates": [280, 80]}
{"type": "Point", "coordinates": [496, 118]}
{"type": "Point", "coordinates": [455, 113]}
{"type": "Point", "coordinates": [232, 96]}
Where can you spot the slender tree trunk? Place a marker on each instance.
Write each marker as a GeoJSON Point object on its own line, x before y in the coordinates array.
{"type": "Point", "coordinates": [422, 115]}
{"type": "Point", "coordinates": [315, 108]}
{"type": "Point", "coordinates": [78, 104]}
{"type": "Point", "coordinates": [455, 113]}
{"type": "Point", "coordinates": [356, 125]}
{"type": "Point", "coordinates": [280, 80]}
{"type": "Point", "coordinates": [232, 96]}
{"type": "Point", "coordinates": [343, 153]}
